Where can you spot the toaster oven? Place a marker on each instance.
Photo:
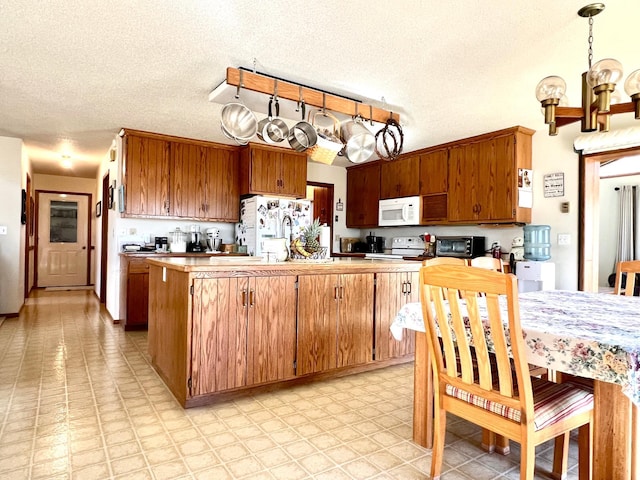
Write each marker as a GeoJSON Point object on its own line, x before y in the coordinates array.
{"type": "Point", "coordinates": [460, 247]}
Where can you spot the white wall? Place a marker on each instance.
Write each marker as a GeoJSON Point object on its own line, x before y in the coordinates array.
{"type": "Point", "coordinates": [12, 180]}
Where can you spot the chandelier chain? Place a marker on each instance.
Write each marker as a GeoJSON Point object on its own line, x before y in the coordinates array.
{"type": "Point", "coordinates": [590, 40]}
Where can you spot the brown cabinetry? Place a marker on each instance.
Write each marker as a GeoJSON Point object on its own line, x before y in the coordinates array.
{"type": "Point", "coordinates": [244, 332]}
{"type": "Point", "coordinates": [393, 290]}
{"type": "Point", "coordinates": [146, 176]}
{"type": "Point", "coordinates": [273, 171]}
{"type": "Point", "coordinates": [434, 185]}
{"type": "Point", "coordinates": [400, 178]}
{"type": "Point", "coordinates": [136, 293]}
{"type": "Point", "coordinates": [483, 177]}
{"type": "Point", "coordinates": [335, 321]}
{"type": "Point", "coordinates": [173, 177]}
{"type": "Point", "coordinates": [204, 182]}
{"type": "Point", "coordinates": [363, 195]}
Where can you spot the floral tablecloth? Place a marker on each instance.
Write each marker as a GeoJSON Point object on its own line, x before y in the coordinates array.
{"type": "Point", "coordinates": [586, 334]}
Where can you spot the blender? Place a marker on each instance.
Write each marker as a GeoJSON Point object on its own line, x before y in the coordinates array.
{"type": "Point", "coordinates": [193, 243]}
{"type": "Point", "coordinates": [213, 239]}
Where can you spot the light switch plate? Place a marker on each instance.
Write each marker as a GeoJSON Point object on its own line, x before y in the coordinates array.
{"type": "Point", "coordinates": [564, 239]}
{"type": "Point", "coordinates": [3, 229]}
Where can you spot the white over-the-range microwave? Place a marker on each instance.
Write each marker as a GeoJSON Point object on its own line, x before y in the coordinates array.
{"type": "Point", "coordinates": [394, 212]}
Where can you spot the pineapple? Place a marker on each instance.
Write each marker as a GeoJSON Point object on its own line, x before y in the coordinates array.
{"type": "Point", "coordinates": [311, 234]}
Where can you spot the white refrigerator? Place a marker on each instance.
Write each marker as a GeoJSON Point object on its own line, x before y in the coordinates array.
{"type": "Point", "coordinates": [261, 218]}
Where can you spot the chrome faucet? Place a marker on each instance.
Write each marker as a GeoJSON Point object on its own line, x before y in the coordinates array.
{"type": "Point", "coordinates": [287, 219]}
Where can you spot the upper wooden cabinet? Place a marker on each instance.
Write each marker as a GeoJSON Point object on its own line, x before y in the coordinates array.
{"type": "Point", "coordinates": [146, 176]}
{"type": "Point", "coordinates": [400, 178]}
{"type": "Point", "coordinates": [173, 177]}
{"type": "Point", "coordinates": [434, 172]}
{"type": "Point", "coordinates": [204, 182]}
{"type": "Point", "coordinates": [483, 177]}
{"type": "Point", "coordinates": [273, 171]}
{"type": "Point", "coordinates": [363, 195]}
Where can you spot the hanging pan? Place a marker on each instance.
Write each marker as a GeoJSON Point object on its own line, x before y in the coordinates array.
{"type": "Point", "coordinates": [238, 122]}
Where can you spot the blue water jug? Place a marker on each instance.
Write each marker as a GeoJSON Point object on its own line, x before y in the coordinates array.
{"type": "Point", "coordinates": [537, 242]}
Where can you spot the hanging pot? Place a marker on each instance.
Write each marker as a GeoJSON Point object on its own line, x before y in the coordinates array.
{"type": "Point", "coordinates": [359, 141]}
{"type": "Point", "coordinates": [328, 143]}
{"type": "Point", "coordinates": [237, 120]}
{"type": "Point", "coordinates": [273, 129]}
{"type": "Point", "coordinates": [302, 135]}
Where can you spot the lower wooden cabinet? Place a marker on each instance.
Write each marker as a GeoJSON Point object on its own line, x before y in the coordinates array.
{"type": "Point", "coordinates": [243, 332]}
{"type": "Point", "coordinates": [136, 293]}
{"type": "Point", "coordinates": [335, 320]}
{"type": "Point", "coordinates": [393, 290]}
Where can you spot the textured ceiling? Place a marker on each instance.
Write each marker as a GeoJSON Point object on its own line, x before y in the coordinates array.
{"type": "Point", "coordinates": [73, 72]}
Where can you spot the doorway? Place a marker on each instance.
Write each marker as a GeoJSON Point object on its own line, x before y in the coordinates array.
{"type": "Point", "coordinates": [589, 199]}
{"type": "Point", "coordinates": [63, 232]}
{"type": "Point", "coordinates": [322, 196]}
{"type": "Point", "coordinates": [104, 238]}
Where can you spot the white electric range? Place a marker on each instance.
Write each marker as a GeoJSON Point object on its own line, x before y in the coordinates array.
{"type": "Point", "coordinates": [400, 247]}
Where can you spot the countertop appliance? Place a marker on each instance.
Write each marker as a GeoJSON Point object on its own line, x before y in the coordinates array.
{"type": "Point", "coordinates": [401, 247]}
{"type": "Point", "coordinates": [393, 212]}
{"type": "Point", "coordinates": [461, 247]}
{"type": "Point", "coordinates": [162, 244]}
{"type": "Point", "coordinates": [375, 244]}
{"type": "Point", "coordinates": [261, 218]}
{"type": "Point", "coordinates": [194, 242]}
{"type": "Point", "coordinates": [213, 239]}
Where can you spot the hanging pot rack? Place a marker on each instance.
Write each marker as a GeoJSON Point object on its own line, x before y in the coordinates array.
{"type": "Point", "coordinates": [261, 83]}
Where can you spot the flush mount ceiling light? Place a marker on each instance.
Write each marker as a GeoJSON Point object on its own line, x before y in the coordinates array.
{"type": "Point", "coordinates": [598, 86]}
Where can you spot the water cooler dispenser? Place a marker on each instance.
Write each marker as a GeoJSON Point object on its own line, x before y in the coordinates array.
{"type": "Point", "coordinates": [533, 276]}
{"type": "Point", "coordinates": [535, 273]}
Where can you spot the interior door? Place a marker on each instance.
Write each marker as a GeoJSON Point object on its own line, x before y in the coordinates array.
{"type": "Point", "coordinates": [62, 239]}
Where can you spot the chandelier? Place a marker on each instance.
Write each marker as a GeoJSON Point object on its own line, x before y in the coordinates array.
{"type": "Point", "coordinates": [598, 87]}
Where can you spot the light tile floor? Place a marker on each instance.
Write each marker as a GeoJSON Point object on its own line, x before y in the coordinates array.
{"type": "Point", "coordinates": [79, 399]}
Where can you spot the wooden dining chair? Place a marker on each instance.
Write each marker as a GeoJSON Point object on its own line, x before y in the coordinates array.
{"type": "Point", "coordinates": [513, 404]}
{"type": "Point", "coordinates": [488, 263]}
{"type": "Point", "coordinates": [629, 268]}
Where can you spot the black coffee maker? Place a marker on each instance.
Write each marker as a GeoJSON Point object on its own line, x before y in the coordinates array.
{"type": "Point", "coordinates": [375, 244]}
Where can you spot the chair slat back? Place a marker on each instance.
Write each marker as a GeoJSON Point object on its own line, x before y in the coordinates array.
{"type": "Point", "coordinates": [452, 297]}
{"type": "Point", "coordinates": [489, 263]}
{"type": "Point", "coordinates": [629, 268]}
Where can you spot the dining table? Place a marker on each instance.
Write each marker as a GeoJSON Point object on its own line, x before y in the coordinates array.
{"type": "Point", "coordinates": [584, 334]}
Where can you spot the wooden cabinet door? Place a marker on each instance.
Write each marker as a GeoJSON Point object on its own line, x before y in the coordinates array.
{"type": "Point", "coordinates": [293, 175]}
{"type": "Point", "coordinates": [146, 176]}
{"type": "Point", "coordinates": [264, 171]}
{"type": "Point", "coordinates": [221, 200]}
{"type": "Point", "coordinates": [317, 323]}
{"type": "Point", "coordinates": [496, 193]}
{"type": "Point", "coordinates": [400, 178]}
{"type": "Point", "coordinates": [463, 171]}
{"type": "Point", "coordinates": [434, 172]}
{"type": "Point", "coordinates": [363, 196]}
{"type": "Point", "coordinates": [219, 335]}
{"type": "Point", "coordinates": [393, 290]}
{"type": "Point", "coordinates": [355, 319]}
{"type": "Point", "coordinates": [137, 301]}
{"type": "Point", "coordinates": [271, 345]}
{"type": "Point", "coordinates": [188, 186]}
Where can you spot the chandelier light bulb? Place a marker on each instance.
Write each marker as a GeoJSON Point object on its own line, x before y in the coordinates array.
{"type": "Point", "coordinates": [607, 70]}
{"type": "Point", "coordinates": [632, 85]}
{"type": "Point", "coordinates": [550, 87]}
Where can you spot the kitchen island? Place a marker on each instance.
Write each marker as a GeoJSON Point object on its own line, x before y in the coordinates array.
{"type": "Point", "coordinates": [225, 327]}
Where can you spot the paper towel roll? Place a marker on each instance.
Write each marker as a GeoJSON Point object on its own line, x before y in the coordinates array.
{"type": "Point", "coordinates": [325, 239]}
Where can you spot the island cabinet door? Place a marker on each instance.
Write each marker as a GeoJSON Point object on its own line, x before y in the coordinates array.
{"type": "Point", "coordinates": [355, 319]}
{"type": "Point", "coordinates": [271, 328]}
{"type": "Point", "coordinates": [393, 290]}
{"type": "Point", "coordinates": [317, 323]}
{"type": "Point", "coordinates": [219, 335]}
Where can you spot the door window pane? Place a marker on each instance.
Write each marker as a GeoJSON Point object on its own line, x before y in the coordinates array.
{"type": "Point", "coordinates": [63, 222]}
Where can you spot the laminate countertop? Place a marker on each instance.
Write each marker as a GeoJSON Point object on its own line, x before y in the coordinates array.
{"type": "Point", "coordinates": [243, 266]}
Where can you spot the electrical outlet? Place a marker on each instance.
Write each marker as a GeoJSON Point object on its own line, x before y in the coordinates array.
{"type": "Point", "coordinates": [564, 239]}
{"type": "Point", "coordinates": [3, 229]}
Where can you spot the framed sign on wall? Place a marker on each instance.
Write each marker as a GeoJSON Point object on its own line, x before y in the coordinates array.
{"type": "Point", "coordinates": [554, 185]}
